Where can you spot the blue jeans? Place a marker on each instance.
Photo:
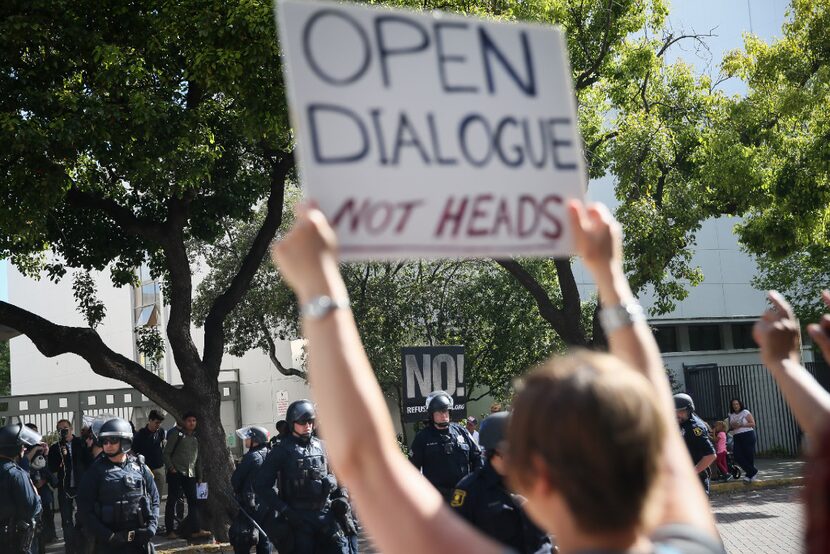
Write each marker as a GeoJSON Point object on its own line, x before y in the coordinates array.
{"type": "Point", "coordinates": [743, 448]}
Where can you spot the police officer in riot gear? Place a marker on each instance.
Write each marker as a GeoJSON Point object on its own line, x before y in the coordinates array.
{"type": "Point", "coordinates": [302, 508]}
{"type": "Point", "coordinates": [483, 499]}
{"type": "Point", "coordinates": [696, 436]}
{"type": "Point", "coordinates": [444, 451]}
{"type": "Point", "coordinates": [19, 503]}
{"type": "Point", "coordinates": [243, 532]}
{"type": "Point", "coordinates": [118, 502]}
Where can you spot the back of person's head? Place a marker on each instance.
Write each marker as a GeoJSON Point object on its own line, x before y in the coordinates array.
{"type": "Point", "coordinates": [593, 427]}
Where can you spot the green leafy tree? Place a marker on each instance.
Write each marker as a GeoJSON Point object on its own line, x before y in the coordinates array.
{"type": "Point", "coordinates": [767, 154]}
{"type": "Point", "coordinates": [129, 130]}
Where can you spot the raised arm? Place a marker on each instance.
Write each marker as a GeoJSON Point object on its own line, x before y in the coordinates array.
{"type": "Point", "coordinates": [598, 240]}
{"type": "Point", "coordinates": [777, 335]}
{"type": "Point", "coordinates": [365, 457]}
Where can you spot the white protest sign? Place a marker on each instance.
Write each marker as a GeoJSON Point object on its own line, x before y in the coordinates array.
{"type": "Point", "coordinates": [430, 135]}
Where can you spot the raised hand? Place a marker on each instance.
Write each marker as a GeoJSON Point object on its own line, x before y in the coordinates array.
{"type": "Point", "coordinates": [307, 256]}
{"type": "Point", "coordinates": [820, 332]}
{"type": "Point", "coordinates": [777, 332]}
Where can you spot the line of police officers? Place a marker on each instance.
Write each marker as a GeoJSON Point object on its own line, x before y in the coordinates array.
{"type": "Point", "coordinates": [286, 494]}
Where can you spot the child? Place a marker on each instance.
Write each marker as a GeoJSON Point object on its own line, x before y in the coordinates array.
{"type": "Point", "coordinates": [720, 448]}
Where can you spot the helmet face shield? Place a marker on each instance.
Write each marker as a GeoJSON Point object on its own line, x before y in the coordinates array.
{"type": "Point", "coordinates": [28, 437]}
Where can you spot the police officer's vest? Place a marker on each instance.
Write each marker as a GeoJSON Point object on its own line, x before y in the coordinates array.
{"type": "Point", "coordinates": [122, 495]}
{"type": "Point", "coordinates": [304, 481]}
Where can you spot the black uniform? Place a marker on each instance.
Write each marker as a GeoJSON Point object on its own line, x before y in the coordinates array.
{"type": "Point", "coordinates": [445, 456]}
{"type": "Point", "coordinates": [482, 499]}
{"type": "Point", "coordinates": [242, 482]}
{"type": "Point", "coordinates": [696, 434]}
{"type": "Point", "coordinates": [19, 507]}
{"type": "Point", "coordinates": [119, 499]}
{"type": "Point", "coordinates": [295, 489]}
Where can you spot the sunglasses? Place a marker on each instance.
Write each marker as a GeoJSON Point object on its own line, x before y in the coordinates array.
{"type": "Point", "coordinates": [110, 440]}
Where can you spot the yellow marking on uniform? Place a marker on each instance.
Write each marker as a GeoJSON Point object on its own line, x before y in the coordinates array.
{"type": "Point", "coordinates": [698, 431]}
{"type": "Point", "coordinates": [458, 497]}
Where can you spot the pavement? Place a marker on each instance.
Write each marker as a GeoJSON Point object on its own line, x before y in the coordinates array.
{"type": "Point", "coordinates": [760, 521]}
{"type": "Point", "coordinates": [772, 472]}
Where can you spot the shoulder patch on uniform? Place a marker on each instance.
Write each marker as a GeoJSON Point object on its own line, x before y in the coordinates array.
{"type": "Point", "coordinates": [458, 497]}
{"type": "Point", "coordinates": [698, 431]}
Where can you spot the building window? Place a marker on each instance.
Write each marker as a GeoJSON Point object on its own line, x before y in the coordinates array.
{"type": "Point", "coordinates": [742, 336]}
{"type": "Point", "coordinates": [146, 313]}
{"type": "Point", "coordinates": [666, 337]}
{"type": "Point", "coordinates": [705, 337]}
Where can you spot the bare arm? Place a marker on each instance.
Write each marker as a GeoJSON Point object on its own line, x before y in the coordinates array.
{"type": "Point", "coordinates": [365, 457]}
{"type": "Point", "coordinates": [777, 335]}
{"type": "Point", "coordinates": [599, 242]}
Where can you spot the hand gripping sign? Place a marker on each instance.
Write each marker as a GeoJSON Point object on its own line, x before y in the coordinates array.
{"type": "Point", "coordinates": [430, 135]}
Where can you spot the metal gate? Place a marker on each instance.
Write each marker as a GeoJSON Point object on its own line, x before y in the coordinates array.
{"type": "Point", "coordinates": [713, 387]}
{"type": "Point", "coordinates": [45, 410]}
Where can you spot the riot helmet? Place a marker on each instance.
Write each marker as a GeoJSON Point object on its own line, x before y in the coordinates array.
{"type": "Point", "coordinates": [300, 411]}
{"type": "Point", "coordinates": [119, 429]}
{"type": "Point", "coordinates": [438, 401]}
{"type": "Point", "coordinates": [15, 436]}
{"type": "Point", "coordinates": [95, 427]}
{"type": "Point", "coordinates": [255, 433]}
{"type": "Point", "coordinates": [683, 401]}
{"type": "Point", "coordinates": [493, 431]}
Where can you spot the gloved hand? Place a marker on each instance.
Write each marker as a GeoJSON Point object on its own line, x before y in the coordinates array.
{"type": "Point", "coordinates": [292, 517]}
{"type": "Point", "coordinates": [339, 506]}
{"type": "Point", "coordinates": [143, 536]}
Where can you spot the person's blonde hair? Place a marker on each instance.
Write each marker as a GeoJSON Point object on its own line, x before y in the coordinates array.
{"type": "Point", "coordinates": [594, 426]}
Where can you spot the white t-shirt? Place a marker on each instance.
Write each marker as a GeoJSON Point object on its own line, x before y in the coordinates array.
{"type": "Point", "coordinates": [740, 418]}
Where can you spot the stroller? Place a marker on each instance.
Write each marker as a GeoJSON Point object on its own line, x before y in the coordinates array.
{"type": "Point", "coordinates": [731, 466]}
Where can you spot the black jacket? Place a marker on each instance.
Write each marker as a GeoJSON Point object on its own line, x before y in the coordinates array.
{"type": "Point", "coordinates": [244, 477]}
{"type": "Point", "coordinates": [445, 456]}
{"type": "Point", "coordinates": [77, 462]}
{"type": "Point", "coordinates": [149, 445]}
{"type": "Point", "coordinates": [483, 500]}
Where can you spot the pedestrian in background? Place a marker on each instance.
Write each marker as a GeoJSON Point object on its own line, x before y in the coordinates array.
{"type": "Point", "coordinates": [742, 425]}
{"type": "Point", "coordinates": [68, 459]}
{"type": "Point", "coordinates": [149, 442]}
{"type": "Point", "coordinates": [181, 458]}
{"type": "Point", "coordinates": [471, 428]}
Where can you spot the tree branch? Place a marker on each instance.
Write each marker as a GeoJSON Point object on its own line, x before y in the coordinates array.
{"type": "Point", "coordinates": [550, 313]}
{"type": "Point", "coordinates": [591, 75]}
{"type": "Point", "coordinates": [180, 285]}
{"type": "Point", "coordinates": [571, 303]}
{"type": "Point", "coordinates": [52, 340]}
{"type": "Point", "coordinates": [214, 344]}
{"type": "Point", "coordinates": [123, 217]}
{"type": "Point", "coordinates": [272, 354]}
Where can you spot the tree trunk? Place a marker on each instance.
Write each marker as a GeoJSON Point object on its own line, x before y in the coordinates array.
{"type": "Point", "coordinates": [216, 462]}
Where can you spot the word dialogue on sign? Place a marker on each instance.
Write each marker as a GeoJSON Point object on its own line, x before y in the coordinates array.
{"type": "Point", "coordinates": [427, 135]}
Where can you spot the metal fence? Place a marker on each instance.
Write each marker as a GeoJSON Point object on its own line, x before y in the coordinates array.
{"type": "Point", "coordinates": [45, 410]}
{"type": "Point", "coordinates": [713, 387]}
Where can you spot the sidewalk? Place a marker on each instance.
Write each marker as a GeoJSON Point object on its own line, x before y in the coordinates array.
{"type": "Point", "coordinates": [772, 472]}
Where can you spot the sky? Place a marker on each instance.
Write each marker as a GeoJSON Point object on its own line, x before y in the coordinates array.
{"type": "Point", "coordinates": [727, 19]}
